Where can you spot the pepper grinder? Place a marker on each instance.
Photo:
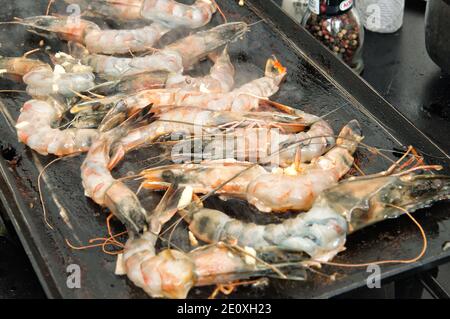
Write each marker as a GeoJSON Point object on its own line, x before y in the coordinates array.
{"type": "Point", "coordinates": [336, 24]}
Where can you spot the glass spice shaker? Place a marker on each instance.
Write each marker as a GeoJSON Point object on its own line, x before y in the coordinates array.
{"type": "Point", "coordinates": [337, 25]}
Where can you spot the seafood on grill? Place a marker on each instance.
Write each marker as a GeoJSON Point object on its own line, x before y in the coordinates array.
{"type": "Point", "coordinates": [42, 80]}
{"type": "Point", "coordinates": [235, 143]}
{"type": "Point", "coordinates": [197, 122]}
{"type": "Point", "coordinates": [93, 37]}
{"type": "Point", "coordinates": [340, 210]}
{"type": "Point", "coordinates": [168, 12]}
{"type": "Point", "coordinates": [268, 191]}
{"type": "Point", "coordinates": [173, 58]}
{"type": "Point", "coordinates": [246, 98]}
{"type": "Point", "coordinates": [37, 128]}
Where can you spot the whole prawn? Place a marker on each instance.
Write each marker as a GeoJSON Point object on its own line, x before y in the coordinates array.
{"type": "Point", "coordinates": [173, 58]}
{"type": "Point", "coordinates": [268, 191]}
{"type": "Point", "coordinates": [219, 80]}
{"type": "Point", "coordinates": [243, 99]}
{"type": "Point", "coordinates": [197, 121]}
{"type": "Point", "coordinates": [321, 232]}
{"type": "Point", "coordinates": [36, 128]}
{"type": "Point", "coordinates": [42, 80]}
{"type": "Point", "coordinates": [266, 146]}
{"type": "Point", "coordinates": [168, 12]}
{"type": "Point", "coordinates": [102, 187]}
{"type": "Point", "coordinates": [93, 37]}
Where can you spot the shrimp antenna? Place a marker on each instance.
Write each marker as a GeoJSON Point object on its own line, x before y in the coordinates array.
{"type": "Point", "coordinates": [41, 197]}
{"type": "Point", "coordinates": [225, 20]}
{"type": "Point", "coordinates": [50, 2]}
{"type": "Point", "coordinates": [257, 22]}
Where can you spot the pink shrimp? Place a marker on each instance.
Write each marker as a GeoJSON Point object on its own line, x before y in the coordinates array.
{"type": "Point", "coordinates": [41, 80]}
{"type": "Point", "coordinates": [168, 12]}
{"type": "Point", "coordinates": [95, 39]}
{"type": "Point", "coordinates": [219, 80]}
{"type": "Point", "coordinates": [272, 191]}
{"type": "Point", "coordinates": [173, 58]}
{"type": "Point", "coordinates": [197, 121]}
{"type": "Point", "coordinates": [35, 128]}
{"type": "Point", "coordinates": [243, 99]}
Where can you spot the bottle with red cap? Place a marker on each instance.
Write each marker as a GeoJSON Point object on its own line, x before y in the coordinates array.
{"type": "Point", "coordinates": [337, 25]}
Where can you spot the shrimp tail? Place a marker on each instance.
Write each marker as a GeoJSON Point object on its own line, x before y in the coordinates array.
{"type": "Point", "coordinates": [174, 198]}
{"type": "Point", "coordinates": [274, 69]}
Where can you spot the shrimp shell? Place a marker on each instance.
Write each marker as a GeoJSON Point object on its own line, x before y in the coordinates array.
{"type": "Point", "coordinates": [168, 12]}
{"type": "Point", "coordinates": [35, 129]}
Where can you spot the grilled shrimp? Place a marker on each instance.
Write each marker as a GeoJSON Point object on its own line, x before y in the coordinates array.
{"type": "Point", "coordinates": [41, 80]}
{"type": "Point", "coordinates": [272, 191]}
{"type": "Point", "coordinates": [172, 273]}
{"type": "Point", "coordinates": [197, 122]}
{"type": "Point", "coordinates": [95, 39]}
{"type": "Point", "coordinates": [243, 99]}
{"type": "Point", "coordinates": [337, 212]}
{"type": "Point", "coordinates": [267, 146]}
{"type": "Point", "coordinates": [111, 110]}
{"type": "Point", "coordinates": [35, 128]}
{"type": "Point", "coordinates": [219, 80]}
{"type": "Point", "coordinates": [103, 188]}
{"type": "Point", "coordinates": [173, 58]}
{"type": "Point", "coordinates": [168, 12]}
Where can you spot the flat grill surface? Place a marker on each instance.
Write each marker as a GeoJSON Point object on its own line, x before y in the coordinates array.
{"type": "Point", "coordinates": [76, 218]}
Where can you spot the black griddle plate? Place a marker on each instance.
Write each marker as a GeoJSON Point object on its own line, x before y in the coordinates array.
{"type": "Point", "coordinates": [317, 82]}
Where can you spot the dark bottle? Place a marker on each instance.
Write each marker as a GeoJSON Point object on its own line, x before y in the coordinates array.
{"type": "Point", "coordinates": [337, 25]}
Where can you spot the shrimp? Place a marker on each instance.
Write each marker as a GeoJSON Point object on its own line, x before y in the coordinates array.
{"type": "Point", "coordinates": [219, 80]}
{"type": "Point", "coordinates": [242, 99]}
{"type": "Point", "coordinates": [41, 80]}
{"type": "Point", "coordinates": [268, 191]}
{"type": "Point", "coordinates": [266, 146]}
{"type": "Point", "coordinates": [337, 212]}
{"type": "Point", "coordinates": [195, 121]}
{"type": "Point", "coordinates": [170, 13]}
{"type": "Point", "coordinates": [321, 232]}
{"type": "Point", "coordinates": [95, 39]}
{"type": "Point", "coordinates": [35, 128]}
{"type": "Point", "coordinates": [103, 188]}
{"type": "Point", "coordinates": [172, 273]}
{"type": "Point", "coordinates": [173, 58]}
{"type": "Point", "coordinates": [111, 110]}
